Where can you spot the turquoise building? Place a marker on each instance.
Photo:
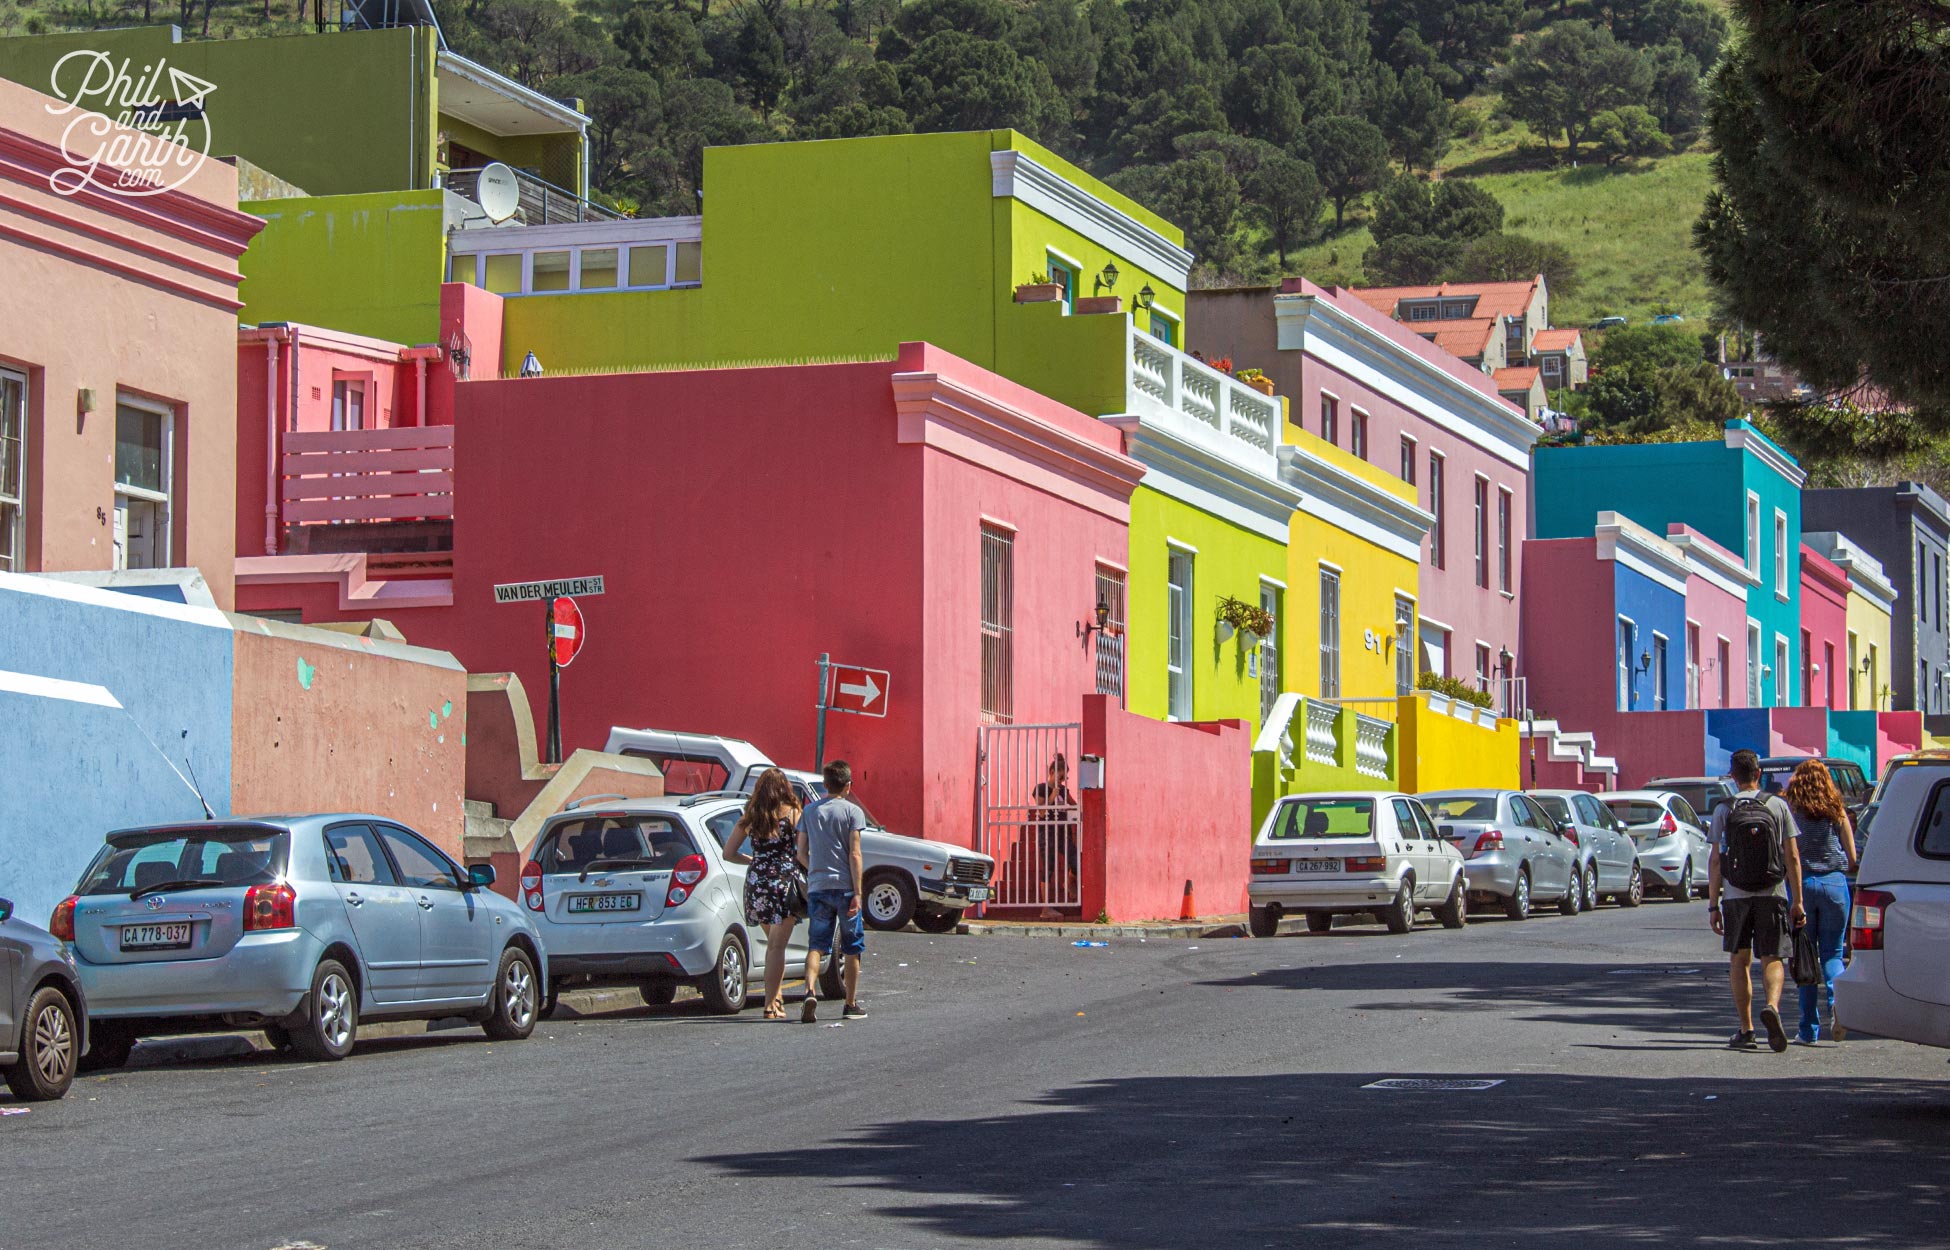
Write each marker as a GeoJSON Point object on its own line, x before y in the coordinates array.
{"type": "Point", "coordinates": [1742, 492]}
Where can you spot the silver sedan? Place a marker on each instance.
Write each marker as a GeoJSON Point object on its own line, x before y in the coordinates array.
{"type": "Point", "coordinates": [1513, 854]}
{"type": "Point", "coordinates": [43, 1017]}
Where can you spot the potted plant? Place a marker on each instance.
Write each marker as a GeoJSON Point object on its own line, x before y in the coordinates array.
{"type": "Point", "coordinates": [1222, 363]}
{"type": "Point", "coordinates": [1257, 380]}
{"type": "Point", "coordinates": [1039, 290]}
{"type": "Point", "coordinates": [1249, 619]}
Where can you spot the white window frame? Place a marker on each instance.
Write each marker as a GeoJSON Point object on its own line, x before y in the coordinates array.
{"type": "Point", "coordinates": [1178, 629]}
{"type": "Point", "coordinates": [1756, 683]}
{"type": "Point", "coordinates": [1109, 654]}
{"type": "Point", "coordinates": [1753, 533]}
{"type": "Point", "coordinates": [344, 387]}
{"type": "Point", "coordinates": [1783, 671]}
{"type": "Point", "coordinates": [1411, 449]}
{"type": "Point", "coordinates": [1661, 690]}
{"type": "Point", "coordinates": [1479, 506]}
{"type": "Point", "coordinates": [1439, 507]}
{"type": "Point", "coordinates": [1330, 632]}
{"type": "Point", "coordinates": [1780, 555]}
{"type": "Point", "coordinates": [1625, 634]}
{"type": "Point", "coordinates": [17, 497]}
{"type": "Point", "coordinates": [1854, 674]}
{"type": "Point", "coordinates": [998, 681]}
{"type": "Point", "coordinates": [1272, 597]}
{"type": "Point", "coordinates": [166, 497]}
{"type": "Point", "coordinates": [1695, 663]}
{"type": "Point", "coordinates": [1723, 660]}
{"type": "Point", "coordinates": [1506, 556]}
{"type": "Point", "coordinates": [1406, 648]}
{"type": "Point", "coordinates": [1357, 432]}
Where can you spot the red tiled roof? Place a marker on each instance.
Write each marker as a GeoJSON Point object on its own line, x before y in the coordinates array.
{"type": "Point", "coordinates": [1347, 301]}
{"type": "Point", "coordinates": [1461, 338]}
{"type": "Point", "coordinates": [1493, 298]}
{"type": "Point", "coordinates": [1516, 378]}
{"type": "Point", "coordinates": [1554, 340]}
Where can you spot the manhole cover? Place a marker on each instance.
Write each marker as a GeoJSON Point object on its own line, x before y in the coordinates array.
{"type": "Point", "coordinates": [1436, 1084]}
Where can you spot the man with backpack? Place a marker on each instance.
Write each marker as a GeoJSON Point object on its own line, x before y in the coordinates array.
{"type": "Point", "coordinates": [1753, 893]}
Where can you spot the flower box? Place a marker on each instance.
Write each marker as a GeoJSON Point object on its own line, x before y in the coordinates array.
{"type": "Point", "coordinates": [1098, 304]}
{"type": "Point", "coordinates": [1039, 293]}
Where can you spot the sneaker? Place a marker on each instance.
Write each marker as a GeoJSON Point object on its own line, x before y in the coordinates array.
{"type": "Point", "coordinates": [809, 1011]}
{"type": "Point", "coordinates": [1770, 1019]}
{"type": "Point", "coordinates": [1743, 1040]}
{"type": "Point", "coordinates": [854, 1011]}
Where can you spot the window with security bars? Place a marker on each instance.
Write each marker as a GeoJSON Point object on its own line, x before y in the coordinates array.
{"type": "Point", "coordinates": [998, 616]}
{"type": "Point", "coordinates": [13, 472]}
{"type": "Point", "coordinates": [1109, 640]}
{"type": "Point", "coordinates": [1330, 634]}
{"type": "Point", "coordinates": [1404, 647]}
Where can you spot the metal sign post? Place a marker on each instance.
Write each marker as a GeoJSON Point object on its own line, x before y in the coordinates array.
{"type": "Point", "coordinates": [562, 646]}
{"type": "Point", "coordinates": [848, 688]}
{"type": "Point", "coordinates": [553, 753]}
{"type": "Point", "coordinates": [819, 749]}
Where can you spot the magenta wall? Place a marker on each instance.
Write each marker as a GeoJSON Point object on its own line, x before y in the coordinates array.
{"type": "Point", "coordinates": [1176, 807]}
{"type": "Point", "coordinates": [1824, 616]}
{"type": "Point", "coordinates": [1652, 744]}
{"type": "Point", "coordinates": [1568, 626]}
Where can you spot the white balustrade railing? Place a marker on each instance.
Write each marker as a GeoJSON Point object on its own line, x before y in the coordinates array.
{"type": "Point", "coordinates": [1192, 389]}
{"type": "Point", "coordinates": [1370, 746]}
{"type": "Point", "coordinates": [1320, 731]}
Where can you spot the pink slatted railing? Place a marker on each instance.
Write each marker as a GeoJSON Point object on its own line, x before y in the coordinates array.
{"type": "Point", "coordinates": [403, 474]}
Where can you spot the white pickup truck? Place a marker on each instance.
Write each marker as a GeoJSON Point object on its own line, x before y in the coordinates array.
{"type": "Point", "coordinates": [907, 878]}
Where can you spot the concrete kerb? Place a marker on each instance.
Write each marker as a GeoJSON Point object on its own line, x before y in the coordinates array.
{"type": "Point", "coordinates": [1210, 927]}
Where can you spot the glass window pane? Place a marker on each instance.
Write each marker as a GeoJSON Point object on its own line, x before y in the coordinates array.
{"type": "Point", "coordinates": [650, 266]}
{"type": "Point", "coordinates": [551, 272]}
{"type": "Point", "coordinates": [503, 273]}
{"type": "Point", "coordinates": [690, 262]}
{"type": "Point", "coordinates": [465, 269]}
{"type": "Point", "coordinates": [138, 448]}
{"type": "Point", "coordinates": [598, 269]}
{"type": "Point", "coordinates": [420, 866]}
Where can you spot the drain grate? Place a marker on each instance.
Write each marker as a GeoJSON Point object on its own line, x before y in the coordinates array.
{"type": "Point", "coordinates": [1431, 1083]}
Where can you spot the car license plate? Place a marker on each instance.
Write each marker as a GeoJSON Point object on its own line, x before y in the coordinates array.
{"type": "Point", "coordinates": [1316, 865]}
{"type": "Point", "coordinates": [978, 894]}
{"type": "Point", "coordinates": [605, 902]}
{"type": "Point", "coordinates": [152, 937]}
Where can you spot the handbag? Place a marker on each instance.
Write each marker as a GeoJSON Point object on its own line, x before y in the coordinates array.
{"type": "Point", "coordinates": [1804, 961]}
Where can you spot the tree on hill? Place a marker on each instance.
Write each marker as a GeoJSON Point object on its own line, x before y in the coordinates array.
{"type": "Point", "coordinates": [1350, 156]}
{"type": "Point", "coordinates": [1417, 118]}
{"type": "Point", "coordinates": [1622, 133]}
{"type": "Point", "coordinates": [1421, 228]}
{"type": "Point", "coordinates": [1559, 79]}
{"type": "Point", "coordinates": [1645, 347]}
{"type": "Point", "coordinates": [1285, 195]}
{"type": "Point", "coordinates": [1517, 258]}
{"type": "Point", "coordinates": [1825, 229]}
{"type": "Point", "coordinates": [1461, 37]}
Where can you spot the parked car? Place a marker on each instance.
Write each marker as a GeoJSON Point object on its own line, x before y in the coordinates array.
{"type": "Point", "coordinates": [1667, 319]}
{"type": "Point", "coordinates": [302, 926]}
{"type": "Point", "coordinates": [1608, 323]}
{"type": "Point", "coordinates": [907, 879]}
{"type": "Point", "coordinates": [1776, 770]}
{"type": "Point", "coordinates": [1897, 984]}
{"type": "Point", "coordinates": [638, 892]}
{"type": "Point", "coordinates": [1704, 794]}
{"type": "Point", "coordinates": [1331, 854]}
{"type": "Point", "coordinates": [43, 1013]}
{"type": "Point", "coordinates": [1670, 836]}
{"type": "Point", "coordinates": [1513, 854]}
{"type": "Point", "coordinates": [1607, 853]}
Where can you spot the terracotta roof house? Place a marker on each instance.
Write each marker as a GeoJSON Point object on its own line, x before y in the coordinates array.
{"type": "Point", "coordinates": [1523, 385]}
{"type": "Point", "coordinates": [1560, 355]}
{"type": "Point", "coordinates": [1522, 308]}
{"type": "Point", "coordinates": [1479, 342]}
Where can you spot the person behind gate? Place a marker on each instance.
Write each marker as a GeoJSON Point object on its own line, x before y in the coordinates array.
{"type": "Point", "coordinates": [829, 842]}
{"type": "Point", "coordinates": [1753, 895]}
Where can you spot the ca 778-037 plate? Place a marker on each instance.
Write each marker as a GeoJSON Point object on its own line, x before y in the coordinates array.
{"type": "Point", "coordinates": [138, 937]}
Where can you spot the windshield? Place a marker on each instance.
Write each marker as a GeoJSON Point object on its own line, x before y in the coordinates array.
{"type": "Point", "coordinates": [1636, 811]}
{"type": "Point", "coordinates": [1461, 806]}
{"type": "Point", "coordinates": [1325, 818]}
{"type": "Point", "coordinates": [205, 857]}
{"type": "Point", "coordinates": [646, 843]}
{"type": "Point", "coordinates": [1556, 807]}
{"type": "Point", "coordinates": [1774, 780]}
{"type": "Point", "coordinates": [1696, 793]}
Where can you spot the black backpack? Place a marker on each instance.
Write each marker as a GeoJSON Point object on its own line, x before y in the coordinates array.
{"type": "Point", "coordinates": [1752, 857]}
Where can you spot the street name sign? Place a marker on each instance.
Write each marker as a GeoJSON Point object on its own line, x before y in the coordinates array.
{"type": "Point", "coordinates": [535, 592]}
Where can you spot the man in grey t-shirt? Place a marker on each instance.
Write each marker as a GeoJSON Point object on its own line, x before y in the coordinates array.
{"type": "Point", "coordinates": [1755, 921]}
{"type": "Point", "coordinates": [829, 841]}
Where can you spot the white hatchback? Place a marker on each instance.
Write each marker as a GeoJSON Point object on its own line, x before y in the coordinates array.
{"type": "Point", "coordinates": [1898, 981]}
{"type": "Point", "coordinates": [1370, 852]}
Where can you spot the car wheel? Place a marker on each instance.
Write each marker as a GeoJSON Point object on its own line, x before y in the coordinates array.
{"type": "Point", "coordinates": [891, 900]}
{"type": "Point", "coordinates": [50, 1048]}
{"type": "Point", "coordinates": [109, 1045]}
{"type": "Point", "coordinates": [724, 987]}
{"type": "Point", "coordinates": [1634, 893]}
{"type": "Point", "coordinates": [937, 919]}
{"type": "Point", "coordinates": [658, 993]}
{"type": "Point", "coordinates": [331, 1022]}
{"type": "Point", "coordinates": [1517, 906]}
{"type": "Point", "coordinates": [1454, 912]}
{"type": "Point", "coordinates": [1400, 916]}
{"type": "Point", "coordinates": [1591, 888]}
{"type": "Point", "coordinates": [1320, 921]}
{"type": "Point", "coordinates": [1682, 890]}
{"type": "Point", "coordinates": [1263, 922]}
{"type": "Point", "coordinates": [1573, 901]}
{"type": "Point", "coordinates": [516, 996]}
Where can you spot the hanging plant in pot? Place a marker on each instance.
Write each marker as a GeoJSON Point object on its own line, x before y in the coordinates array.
{"type": "Point", "coordinates": [1248, 619]}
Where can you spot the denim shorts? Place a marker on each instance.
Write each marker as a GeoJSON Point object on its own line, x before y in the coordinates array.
{"type": "Point", "coordinates": [826, 910]}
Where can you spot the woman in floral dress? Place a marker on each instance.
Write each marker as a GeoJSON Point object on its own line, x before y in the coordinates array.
{"type": "Point", "coordinates": [775, 882]}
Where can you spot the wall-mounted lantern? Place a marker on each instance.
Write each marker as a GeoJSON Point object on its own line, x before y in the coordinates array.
{"type": "Point", "coordinates": [1145, 295]}
{"type": "Point", "coordinates": [1102, 624]}
{"type": "Point", "coordinates": [1107, 279]}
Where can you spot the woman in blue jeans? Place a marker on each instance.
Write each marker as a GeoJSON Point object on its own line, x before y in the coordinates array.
{"type": "Point", "coordinates": [1826, 839]}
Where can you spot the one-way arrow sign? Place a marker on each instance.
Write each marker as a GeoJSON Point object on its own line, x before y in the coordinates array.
{"type": "Point", "coordinates": [861, 691]}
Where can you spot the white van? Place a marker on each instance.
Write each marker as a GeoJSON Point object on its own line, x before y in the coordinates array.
{"type": "Point", "coordinates": [1898, 983]}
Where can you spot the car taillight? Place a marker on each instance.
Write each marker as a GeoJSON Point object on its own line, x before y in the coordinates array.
{"type": "Point", "coordinates": [1667, 824]}
{"type": "Point", "coordinates": [271, 906]}
{"type": "Point", "coordinates": [1572, 834]}
{"type": "Point", "coordinates": [684, 878]}
{"type": "Point", "coordinates": [1366, 863]}
{"type": "Point", "coordinates": [1491, 841]}
{"type": "Point", "coordinates": [61, 923]}
{"type": "Point", "coordinates": [531, 885]}
{"type": "Point", "coordinates": [1265, 866]}
{"type": "Point", "coordinates": [1865, 922]}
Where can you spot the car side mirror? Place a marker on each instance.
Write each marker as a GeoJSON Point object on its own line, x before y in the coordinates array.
{"type": "Point", "coordinates": [6, 910]}
{"type": "Point", "coordinates": [480, 876]}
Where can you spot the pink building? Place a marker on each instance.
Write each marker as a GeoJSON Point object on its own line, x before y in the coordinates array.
{"type": "Point", "coordinates": [1824, 631]}
{"type": "Point", "coordinates": [117, 440]}
{"type": "Point", "coordinates": [1378, 389]}
{"type": "Point", "coordinates": [1716, 619]}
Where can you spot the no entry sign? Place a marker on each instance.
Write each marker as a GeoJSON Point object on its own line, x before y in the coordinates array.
{"type": "Point", "coordinates": [567, 631]}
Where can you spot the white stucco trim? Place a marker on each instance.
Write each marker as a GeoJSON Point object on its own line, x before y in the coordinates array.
{"type": "Point", "coordinates": [1713, 563]}
{"type": "Point", "coordinates": [1192, 473]}
{"type": "Point", "coordinates": [57, 688]}
{"type": "Point", "coordinates": [481, 76]}
{"type": "Point", "coordinates": [97, 597]}
{"type": "Point", "coordinates": [1376, 361]}
{"type": "Point", "coordinates": [1641, 551]}
{"type": "Point", "coordinates": [1741, 437]}
{"type": "Point", "coordinates": [1347, 502]}
{"type": "Point", "coordinates": [1015, 175]}
{"type": "Point", "coordinates": [1865, 573]}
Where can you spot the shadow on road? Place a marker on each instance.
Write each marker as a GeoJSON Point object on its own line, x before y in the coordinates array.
{"type": "Point", "coordinates": [1198, 1163]}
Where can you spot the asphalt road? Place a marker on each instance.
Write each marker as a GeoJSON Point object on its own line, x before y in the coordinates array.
{"type": "Point", "coordinates": [1159, 1095]}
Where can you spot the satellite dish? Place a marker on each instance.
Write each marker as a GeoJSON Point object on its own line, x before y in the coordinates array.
{"type": "Point", "coordinates": [497, 192]}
